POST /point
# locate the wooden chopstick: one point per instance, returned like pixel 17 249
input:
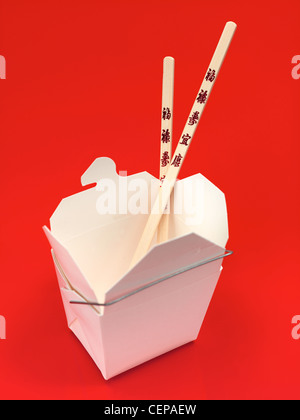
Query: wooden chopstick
pixel 166 136
pixel 184 142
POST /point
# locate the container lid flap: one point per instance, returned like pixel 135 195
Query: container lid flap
pixel 166 259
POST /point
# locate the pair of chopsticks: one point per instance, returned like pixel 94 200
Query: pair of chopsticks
pixel 170 167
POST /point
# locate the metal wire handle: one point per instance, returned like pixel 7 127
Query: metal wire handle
pixel 153 283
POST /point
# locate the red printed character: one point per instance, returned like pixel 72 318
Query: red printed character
pixel 165 136
pixel 211 75
pixel 194 118
pixel 177 160
pixel 202 97
pixel 165 160
pixel 185 138
pixel 166 114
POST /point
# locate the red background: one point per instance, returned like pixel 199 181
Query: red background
pixel 84 80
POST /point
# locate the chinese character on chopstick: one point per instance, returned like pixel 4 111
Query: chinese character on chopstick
pixel 194 118
pixel 165 136
pixel 165 160
pixel 185 138
pixel 166 114
pixel 177 160
pixel 201 99
pixel 211 75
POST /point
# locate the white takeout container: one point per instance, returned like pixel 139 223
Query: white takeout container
pixel 161 302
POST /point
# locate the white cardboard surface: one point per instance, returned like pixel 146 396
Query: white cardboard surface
pixel 92 254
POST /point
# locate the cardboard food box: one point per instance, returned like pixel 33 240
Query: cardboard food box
pixel 124 317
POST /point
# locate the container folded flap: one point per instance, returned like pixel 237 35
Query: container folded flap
pixel 79 213
pixel 94 250
pixel 186 252
pixel 73 275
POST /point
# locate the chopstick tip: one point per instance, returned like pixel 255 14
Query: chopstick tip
pixel 169 58
pixel 231 24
